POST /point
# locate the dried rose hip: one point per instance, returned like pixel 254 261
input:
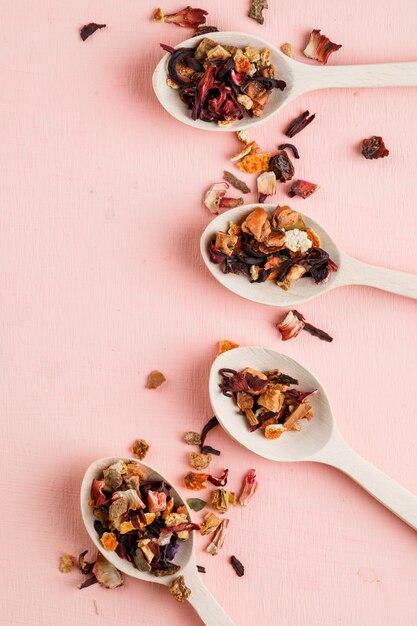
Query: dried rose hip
pixel 374 148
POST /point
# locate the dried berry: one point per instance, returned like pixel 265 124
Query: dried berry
pixel 374 148
pixel 196 504
pixel 155 380
pixel 87 30
pixel 237 566
pixel 285 146
pixel 179 589
pixel 299 124
pixel 187 18
pixel 66 563
pixel 282 167
pixel 140 448
pixel 236 182
pixel 256 9
pixel 192 439
pixel 302 188
pixel 319 47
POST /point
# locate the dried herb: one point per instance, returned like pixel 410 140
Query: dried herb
pixel 212 423
pixel 282 167
pixel 237 566
pixel 299 124
pixel 319 47
pixel 313 330
pixel 374 148
pixel 199 461
pixel 87 30
pixel 285 146
pixel 302 188
pixel 196 504
pixel 256 9
pixel 204 30
pixel 201 569
pixel 236 182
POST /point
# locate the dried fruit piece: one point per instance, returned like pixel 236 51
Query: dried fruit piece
pixel 282 167
pixel 187 18
pixel 155 380
pixel 256 9
pixel 85 567
pixel 109 541
pixel 179 589
pixel 217 541
pixel 106 574
pixel 243 136
pixel 266 184
pixel 195 481
pixel 299 124
pixel 374 148
pixel 249 487
pixel 319 47
pixel 253 163
pixel 290 326
pixel 66 563
pixel 302 188
pixel 221 499
pixel 285 146
pixel 237 566
pixel 196 504
pixel 140 448
pixel 192 439
pixel 204 30
pixel 236 182
pixel 287 49
pixel 87 30
pixel 225 345
pixel 210 523
pixel 199 461
pixel 215 198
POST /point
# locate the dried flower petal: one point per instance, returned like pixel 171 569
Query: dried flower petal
pixel 243 136
pixel 319 47
pixel 97 493
pixel 316 332
pixel 107 575
pixel 87 30
pixel 66 563
pixel 85 567
pixel 374 148
pixel 155 380
pixel 201 569
pixel 256 9
pixel 217 541
pixel 196 481
pixel 221 481
pixel 290 326
pixel 187 18
pixel 210 523
pixel 285 146
pixel 236 182
pixel 299 124
pixel 225 346
pixel 266 184
pixel 196 504
pixel 88 582
pixel 249 487
pixel 214 195
pixel 140 448
pixel 199 461
pixel 192 439
pixel 179 589
pixel 302 188
pixel 288 50
pixel 237 566
pixel 230 203
pixel 212 423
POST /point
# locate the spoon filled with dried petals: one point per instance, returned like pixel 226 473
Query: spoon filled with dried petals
pixel 133 516
pixel 277 256
pixel 256 377
pixel 185 86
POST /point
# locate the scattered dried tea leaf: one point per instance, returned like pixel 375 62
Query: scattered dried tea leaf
pixel 237 566
pixel 235 182
pixel 225 345
pixel 294 322
pixel 192 439
pixel 155 379
pixel 87 30
pixel 140 448
pixel 256 9
pixel 299 124
pixel 66 563
pixel 287 49
pixel 199 461
pixel 217 541
pixel 204 30
pixel 196 504
pixel 195 481
pixel 179 589
pixel 187 18
pixel 201 569
pixel 249 487
pixel 302 188
pixel 253 163
pixel 374 148
pixel 221 499
pixel 210 523
pixel 319 47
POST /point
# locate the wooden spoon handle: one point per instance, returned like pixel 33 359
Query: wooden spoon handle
pixel 209 610
pixel 354 272
pixel 375 75
pixel 388 492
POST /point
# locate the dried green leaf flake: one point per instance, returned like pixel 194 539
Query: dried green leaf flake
pixel 196 504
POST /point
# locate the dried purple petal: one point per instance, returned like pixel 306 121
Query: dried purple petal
pixel 86 567
pixel 285 146
pixel 88 582
pixel 210 450
pixel 237 566
pixel 87 30
pixel 256 8
pixel 299 124
pixel 374 148
pixel 236 182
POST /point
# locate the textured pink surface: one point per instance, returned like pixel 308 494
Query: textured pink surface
pixel 102 282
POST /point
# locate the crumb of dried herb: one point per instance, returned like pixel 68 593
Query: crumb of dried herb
pixel 374 148
pixel 179 589
pixel 196 504
pixel 256 8
pixel 192 438
pixel 87 30
pixel 66 563
pixel 199 461
pixel 140 448
pixel 237 566
pixel 235 182
pixel 155 379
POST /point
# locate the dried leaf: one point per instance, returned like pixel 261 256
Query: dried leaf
pixel 196 504
pixel 236 182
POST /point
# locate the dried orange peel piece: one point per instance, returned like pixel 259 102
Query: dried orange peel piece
pixel 225 345
pixel 253 163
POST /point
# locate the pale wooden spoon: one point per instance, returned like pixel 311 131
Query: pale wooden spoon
pixel 210 612
pixel 350 272
pixel 319 440
pixel 300 78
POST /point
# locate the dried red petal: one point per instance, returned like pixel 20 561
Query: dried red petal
pixel 187 18
pixel 290 326
pixel 299 124
pixel 302 188
pixel 374 148
pixel 221 481
pixel 87 30
pixel 230 203
pixel 97 493
pixel 319 47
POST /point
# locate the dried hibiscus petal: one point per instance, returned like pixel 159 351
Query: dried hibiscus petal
pixel 316 332
pixel 236 182
pixel 97 493
pixel 155 379
pixel 85 567
pixel 299 124
pixel 282 167
pixel 266 184
pixel 319 47
pixel 285 146
pixel 212 423
pixel 87 30
pixel 215 198
pixel 374 148
pixel 302 188
pixel 187 18
pixel 249 487
pixel 256 9
pixel 201 569
pixel 237 566
pixel 221 481
pixel 290 326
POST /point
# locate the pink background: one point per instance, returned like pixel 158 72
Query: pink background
pixel 102 282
